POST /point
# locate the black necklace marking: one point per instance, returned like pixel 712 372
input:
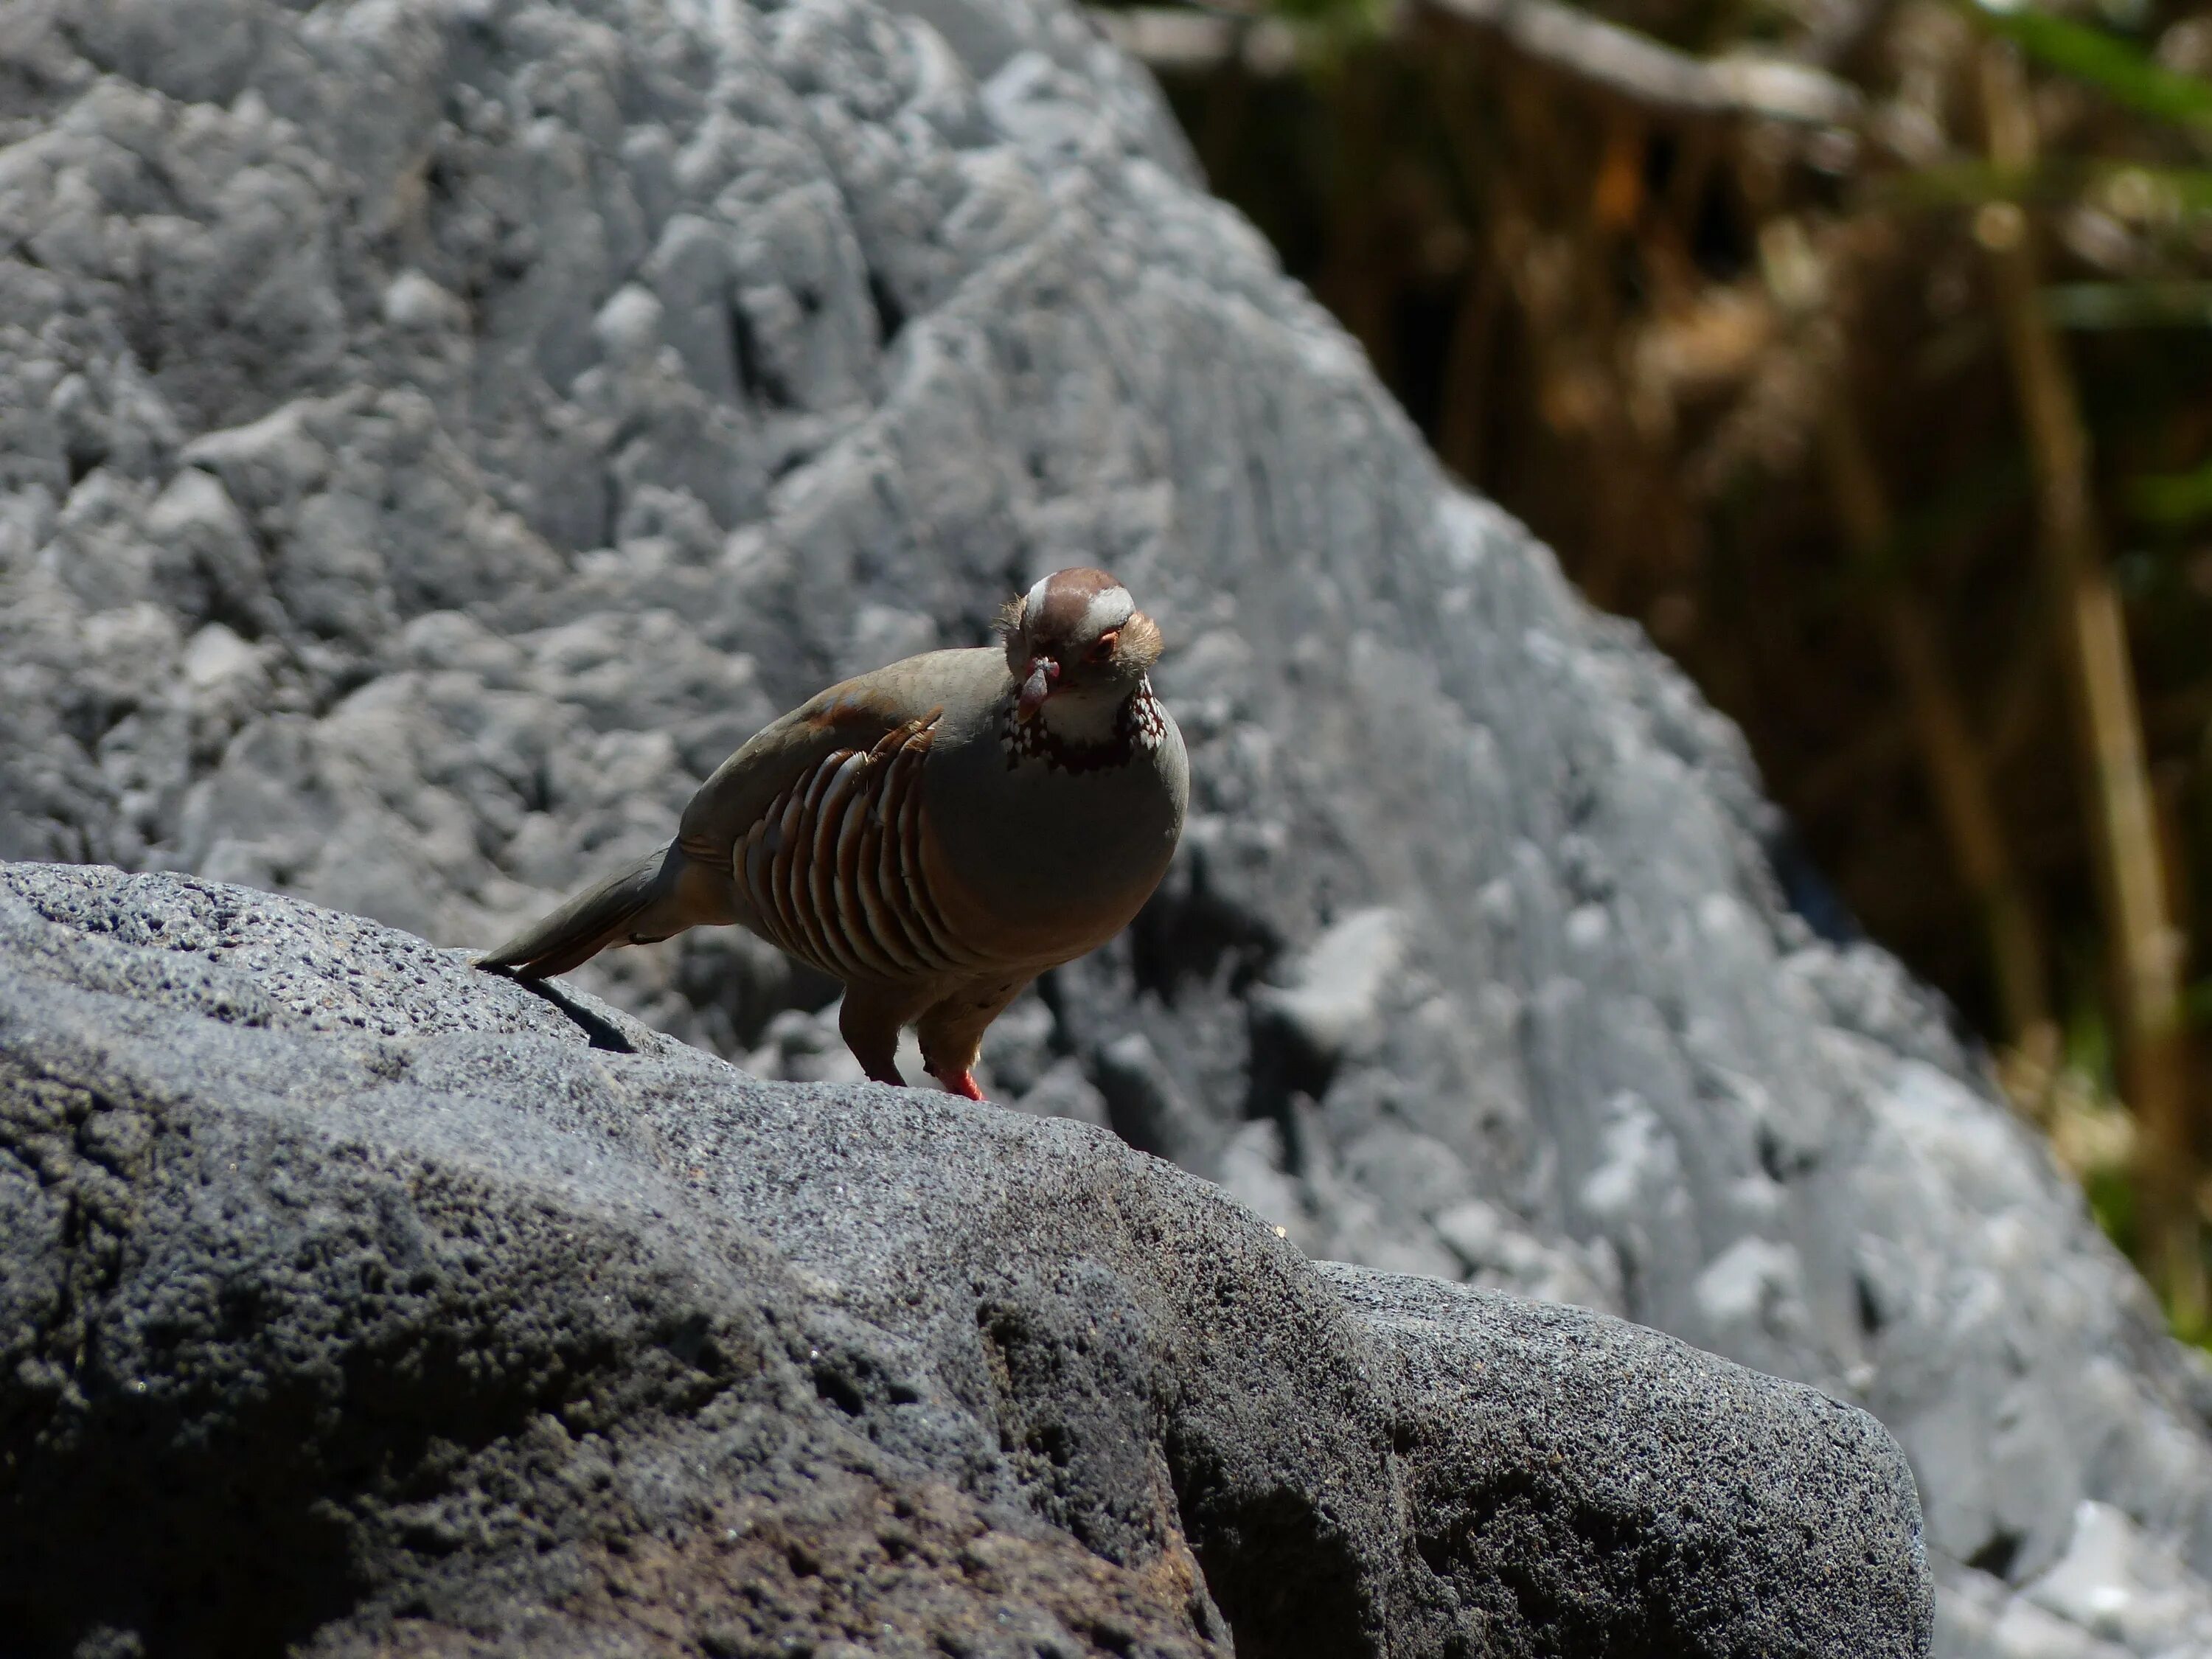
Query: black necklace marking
pixel 1139 725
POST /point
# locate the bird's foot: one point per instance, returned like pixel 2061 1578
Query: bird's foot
pixel 963 1084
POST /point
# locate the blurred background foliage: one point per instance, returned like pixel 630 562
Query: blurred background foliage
pixel 1861 351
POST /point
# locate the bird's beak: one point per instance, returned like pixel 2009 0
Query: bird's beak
pixel 1039 675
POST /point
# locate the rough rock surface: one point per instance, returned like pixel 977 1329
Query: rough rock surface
pixel 352 1298
pixel 433 431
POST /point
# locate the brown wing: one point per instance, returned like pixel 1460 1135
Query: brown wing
pixel 766 794
pixel 848 716
pixel 832 866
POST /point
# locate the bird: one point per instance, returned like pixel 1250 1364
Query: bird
pixel 934 833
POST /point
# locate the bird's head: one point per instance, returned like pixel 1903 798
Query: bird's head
pixel 1077 638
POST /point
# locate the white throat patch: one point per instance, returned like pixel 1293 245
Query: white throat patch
pixel 1084 720
pixel 1066 736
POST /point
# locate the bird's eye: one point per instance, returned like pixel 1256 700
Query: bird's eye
pixel 1104 646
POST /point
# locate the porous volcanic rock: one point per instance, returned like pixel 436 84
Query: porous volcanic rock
pixel 355 1299
pixel 434 432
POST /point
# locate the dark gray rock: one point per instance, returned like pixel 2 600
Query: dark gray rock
pixel 355 1300
pixel 432 432
pixel 1506 1458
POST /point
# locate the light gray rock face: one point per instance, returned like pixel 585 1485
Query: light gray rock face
pixel 355 1300
pixel 433 431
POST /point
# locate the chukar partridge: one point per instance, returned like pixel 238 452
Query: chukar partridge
pixel 935 834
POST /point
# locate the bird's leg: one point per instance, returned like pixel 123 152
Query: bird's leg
pixel 960 1082
pixel 883 1071
pixel 952 1031
pixel 869 1022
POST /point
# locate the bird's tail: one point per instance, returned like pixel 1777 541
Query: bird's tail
pixel 649 900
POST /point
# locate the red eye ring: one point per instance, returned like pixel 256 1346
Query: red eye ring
pixel 1103 648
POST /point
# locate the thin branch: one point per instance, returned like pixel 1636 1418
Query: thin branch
pixel 1631 66
pixel 1658 77
pixel 1171 41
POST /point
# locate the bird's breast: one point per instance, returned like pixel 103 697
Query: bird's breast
pixel 1046 858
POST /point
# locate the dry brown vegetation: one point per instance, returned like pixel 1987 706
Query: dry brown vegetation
pixel 1859 350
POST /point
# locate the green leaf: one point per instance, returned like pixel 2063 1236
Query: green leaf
pixel 2132 190
pixel 2118 67
pixel 1956 183
pixel 2176 498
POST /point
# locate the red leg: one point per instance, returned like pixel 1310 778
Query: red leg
pixel 963 1084
pixel 952 1031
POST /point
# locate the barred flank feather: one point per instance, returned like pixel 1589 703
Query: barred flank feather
pixel 833 868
